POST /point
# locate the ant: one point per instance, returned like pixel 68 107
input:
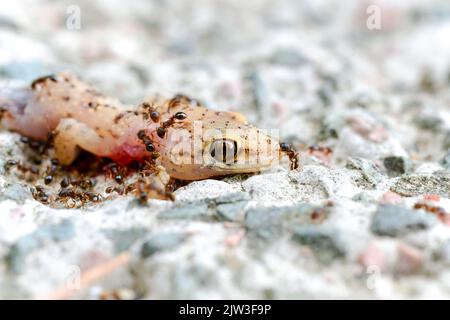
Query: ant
pixel 150 112
pixel 39 194
pixel 291 153
pixel 161 131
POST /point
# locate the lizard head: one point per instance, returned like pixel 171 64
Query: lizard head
pixel 211 143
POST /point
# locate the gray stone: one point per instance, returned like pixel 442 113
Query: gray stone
pixel 323 240
pixel 259 91
pixel 232 211
pixel 232 197
pixel 288 57
pixel 231 207
pixel 429 122
pixel 123 239
pixel 391 220
pixel 446 141
pixel 325 95
pixel 8 23
pixel 328 131
pixel 396 166
pixel 420 183
pixel 368 169
pixel 161 242
pixel 190 211
pixel 271 223
pixel 443 253
pixel 446 161
pixel 61 231
pixel 17 192
pixel 182 46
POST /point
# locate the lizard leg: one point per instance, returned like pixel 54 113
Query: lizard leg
pixel 71 135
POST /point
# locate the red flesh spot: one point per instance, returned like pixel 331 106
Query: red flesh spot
pixel 126 153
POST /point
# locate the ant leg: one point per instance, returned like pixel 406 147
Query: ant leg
pixel 71 135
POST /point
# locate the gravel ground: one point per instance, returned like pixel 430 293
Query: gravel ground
pixel 366 216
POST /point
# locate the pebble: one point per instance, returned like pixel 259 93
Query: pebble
pixel 369 170
pixel 372 255
pixel 446 161
pixel 392 220
pixel 17 192
pixel 430 122
pixel 270 223
pixel 323 240
pixel 288 57
pixel 190 211
pixel 232 211
pixel 415 184
pixel 409 259
pixel 391 198
pixel 161 242
pixel 443 252
pixel 446 142
pixel 378 144
pixel 396 166
pixel 231 207
pixel 123 239
pixel 61 231
pixel 232 198
pixel 259 91
pixel 325 95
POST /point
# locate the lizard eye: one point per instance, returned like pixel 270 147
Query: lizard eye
pixel 224 151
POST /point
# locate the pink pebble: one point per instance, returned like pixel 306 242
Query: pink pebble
pixel 432 197
pixel 235 239
pixel 391 198
pixel 378 134
pixel 372 255
pixel 409 259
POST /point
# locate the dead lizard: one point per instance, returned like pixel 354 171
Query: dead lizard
pixel 190 141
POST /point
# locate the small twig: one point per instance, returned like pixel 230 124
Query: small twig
pixel 89 277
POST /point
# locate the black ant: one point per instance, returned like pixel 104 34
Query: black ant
pixel 150 111
pixel 54 164
pixel 22 168
pixel 115 171
pixel 39 194
pixel 40 146
pixel 161 131
pixel 146 140
pixel 291 153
